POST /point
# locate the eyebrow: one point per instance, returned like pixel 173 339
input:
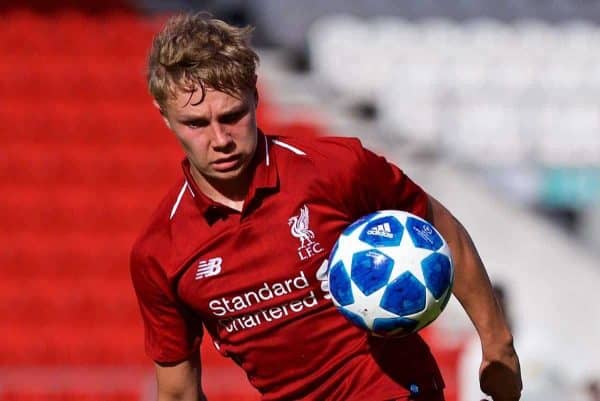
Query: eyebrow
pixel 243 107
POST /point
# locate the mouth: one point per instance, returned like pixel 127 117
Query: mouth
pixel 227 163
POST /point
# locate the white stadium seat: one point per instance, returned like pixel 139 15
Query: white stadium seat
pixel 486 134
pixel 488 92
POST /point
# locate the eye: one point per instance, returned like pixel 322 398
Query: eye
pixel 233 117
pixel 195 124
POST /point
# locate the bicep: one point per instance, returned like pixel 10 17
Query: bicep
pixel 179 382
pixel 441 218
pixel 470 275
pixel 451 229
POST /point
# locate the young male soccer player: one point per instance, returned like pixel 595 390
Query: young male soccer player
pixel 225 251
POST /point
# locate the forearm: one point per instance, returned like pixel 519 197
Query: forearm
pixel 187 395
pixel 180 382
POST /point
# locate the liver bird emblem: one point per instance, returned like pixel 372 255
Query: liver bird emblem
pixel 299 227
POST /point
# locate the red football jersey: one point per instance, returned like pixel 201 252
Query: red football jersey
pixel 255 280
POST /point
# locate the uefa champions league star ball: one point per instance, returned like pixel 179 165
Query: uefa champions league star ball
pixel 390 273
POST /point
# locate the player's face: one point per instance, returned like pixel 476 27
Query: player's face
pixel 218 133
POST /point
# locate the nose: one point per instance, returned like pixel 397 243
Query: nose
pixel 222 140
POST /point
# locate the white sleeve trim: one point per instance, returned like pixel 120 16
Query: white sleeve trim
pixel 178 201
pixel 289 147
pixel 267 159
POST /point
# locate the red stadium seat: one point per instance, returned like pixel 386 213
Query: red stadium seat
pixel 68 396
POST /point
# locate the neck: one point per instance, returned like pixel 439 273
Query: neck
pixel 231 193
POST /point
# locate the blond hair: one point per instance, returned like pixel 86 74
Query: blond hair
pixel 194 52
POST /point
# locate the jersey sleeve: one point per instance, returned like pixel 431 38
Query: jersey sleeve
pixel 171 332
pixel 374 184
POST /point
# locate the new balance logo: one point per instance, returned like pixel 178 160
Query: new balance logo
pixel 207 268
pixel 382 230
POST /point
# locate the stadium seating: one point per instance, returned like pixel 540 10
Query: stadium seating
pixel 85 160
pixel 479 91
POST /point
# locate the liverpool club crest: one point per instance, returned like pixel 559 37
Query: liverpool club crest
pixel 299 228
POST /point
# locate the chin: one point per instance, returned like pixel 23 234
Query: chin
pixel 228 175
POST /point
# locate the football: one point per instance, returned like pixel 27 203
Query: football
pixel 390 273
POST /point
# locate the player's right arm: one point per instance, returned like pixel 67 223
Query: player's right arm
pixel 172 332
pixel 179 382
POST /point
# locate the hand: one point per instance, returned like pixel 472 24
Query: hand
pixel 500 373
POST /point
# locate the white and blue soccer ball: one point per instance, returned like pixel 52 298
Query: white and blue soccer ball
pixel 390 273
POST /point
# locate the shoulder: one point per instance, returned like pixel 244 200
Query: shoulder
pixel 316 146
pixel 330 168
pixel 329 150
pixel 155 237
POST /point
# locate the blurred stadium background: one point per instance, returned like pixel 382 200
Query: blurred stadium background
pixel 492 106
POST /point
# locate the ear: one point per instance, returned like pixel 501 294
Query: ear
pixel 162 113
pixel 255 96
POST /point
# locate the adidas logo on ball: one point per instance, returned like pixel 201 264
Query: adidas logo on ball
pixel 382 230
